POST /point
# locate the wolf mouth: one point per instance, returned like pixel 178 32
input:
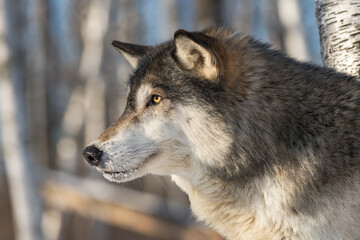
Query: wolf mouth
pixel 124 175
pixel 122 172
pixel 127 175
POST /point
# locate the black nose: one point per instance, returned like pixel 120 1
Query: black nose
pixel 92 155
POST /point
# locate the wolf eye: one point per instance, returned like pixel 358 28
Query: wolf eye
pixel 155 99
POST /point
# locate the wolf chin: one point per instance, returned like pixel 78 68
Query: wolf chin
pixel 266 147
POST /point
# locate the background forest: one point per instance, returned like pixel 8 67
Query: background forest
pixel 62 83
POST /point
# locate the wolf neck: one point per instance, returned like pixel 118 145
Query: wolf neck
pixel 224 207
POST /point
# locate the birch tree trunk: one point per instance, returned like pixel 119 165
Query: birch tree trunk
pixel 339 28
pixel 25 201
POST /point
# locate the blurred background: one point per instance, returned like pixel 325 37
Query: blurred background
pixel 62 84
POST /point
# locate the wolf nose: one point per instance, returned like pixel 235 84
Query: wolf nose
pixel 92 155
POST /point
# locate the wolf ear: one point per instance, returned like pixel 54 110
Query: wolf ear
pixel 193 54
pixel 131 52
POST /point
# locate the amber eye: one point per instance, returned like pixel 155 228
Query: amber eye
pixel 156 98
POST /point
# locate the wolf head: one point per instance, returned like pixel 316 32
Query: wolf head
pixel 176 119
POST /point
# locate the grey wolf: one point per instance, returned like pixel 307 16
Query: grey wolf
pixel 266 147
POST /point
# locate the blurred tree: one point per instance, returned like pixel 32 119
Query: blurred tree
pixel 26 203
pixel 275 28
pixel 239 14
pixel 339 28
pixel 62 83
pixel 294 39
pixel 36 91
pixel 208 13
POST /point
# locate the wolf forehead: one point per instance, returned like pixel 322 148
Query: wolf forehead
pixel 158 69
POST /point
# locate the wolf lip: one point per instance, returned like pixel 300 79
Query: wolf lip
pixel 121 172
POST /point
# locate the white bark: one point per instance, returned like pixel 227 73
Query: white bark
pixel 339 28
